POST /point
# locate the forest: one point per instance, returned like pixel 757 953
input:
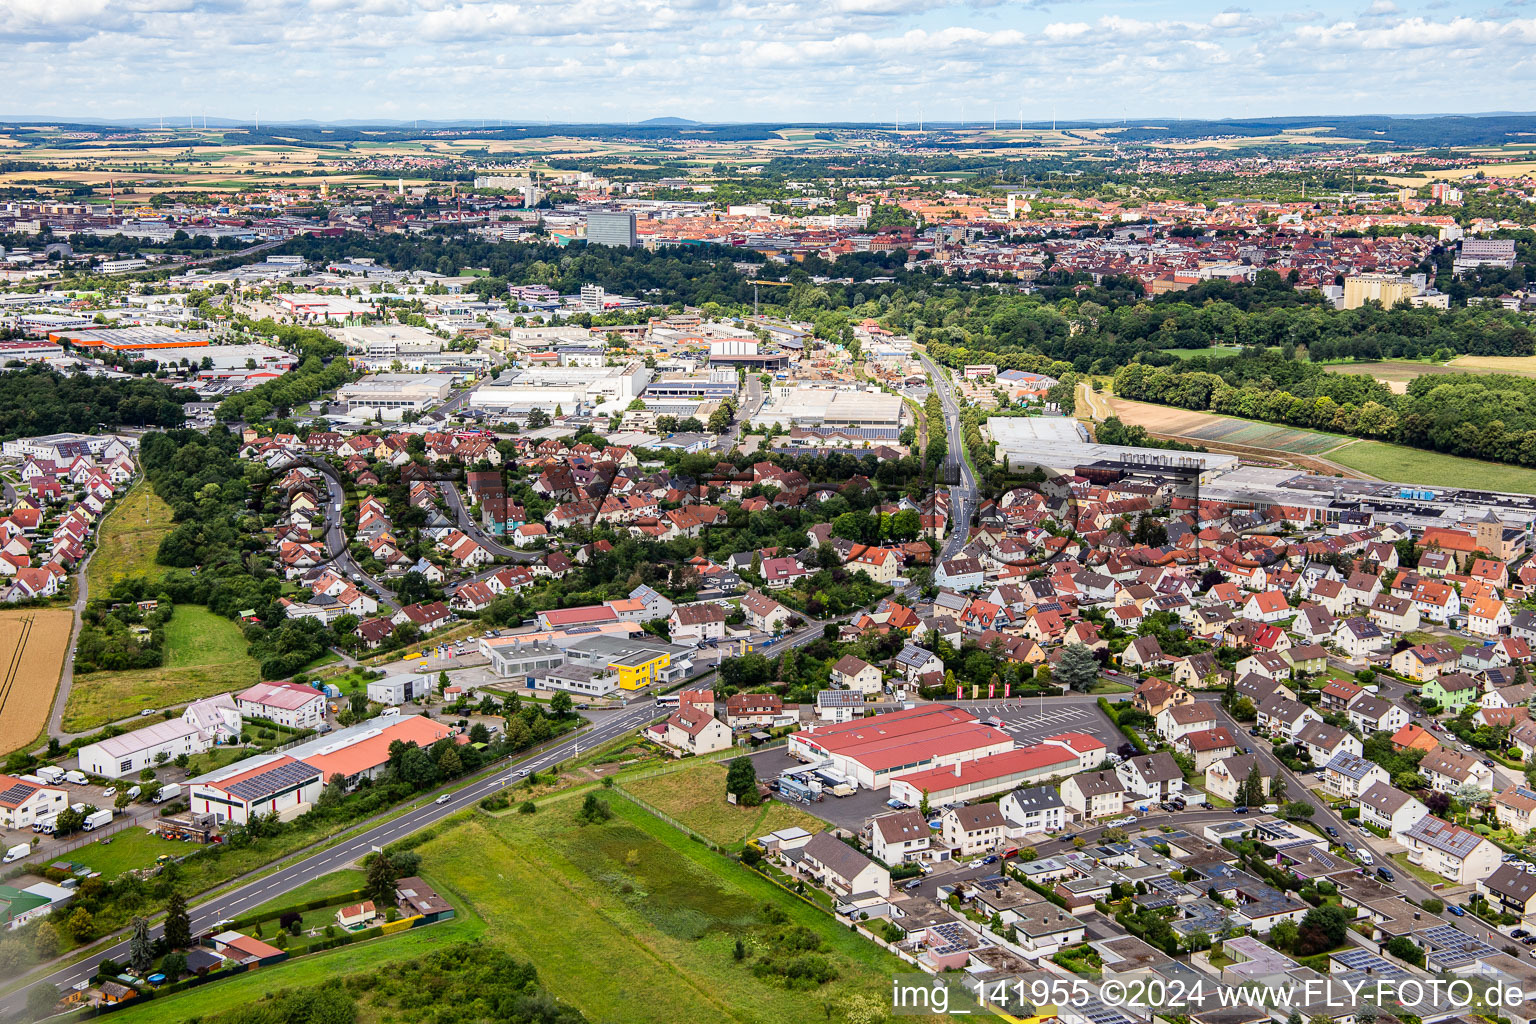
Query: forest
pixel 38 400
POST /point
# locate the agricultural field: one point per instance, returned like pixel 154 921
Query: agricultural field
pixel 130 537
pixel 695 796
pixel 204 654
pixel 33 642
pixel 1433 469
pixel 1200 427
pixel 1521 366
pixel 1396 374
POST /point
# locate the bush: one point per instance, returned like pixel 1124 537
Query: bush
pixel 593 810
pixel 529 807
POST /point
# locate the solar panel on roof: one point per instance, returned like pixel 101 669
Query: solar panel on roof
pixel 17 792
pixel 273 780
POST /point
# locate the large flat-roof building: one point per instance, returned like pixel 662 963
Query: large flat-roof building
pixel 612 227
pixel 569 388
pixel 635 661
pixel 391 395
pixel 833 409
pixel 872 751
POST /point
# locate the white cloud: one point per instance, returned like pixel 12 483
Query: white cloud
pixel 748 59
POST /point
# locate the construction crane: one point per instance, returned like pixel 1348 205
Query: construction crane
pixel 772 284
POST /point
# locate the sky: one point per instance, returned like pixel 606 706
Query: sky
pixel 760 60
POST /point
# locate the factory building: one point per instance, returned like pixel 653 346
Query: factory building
pixel 571 389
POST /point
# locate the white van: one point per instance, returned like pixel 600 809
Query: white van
pixel 1365 857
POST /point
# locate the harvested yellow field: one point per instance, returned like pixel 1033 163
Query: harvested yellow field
pixel 33 642
pixel 1524 366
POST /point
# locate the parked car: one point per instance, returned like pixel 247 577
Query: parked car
pixel 1454 909
pixel 1386 875
pixel 990 859
pixel 1240 810
pixel 1331 831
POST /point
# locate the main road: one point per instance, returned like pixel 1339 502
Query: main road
pixel 964 495
pixel 206 915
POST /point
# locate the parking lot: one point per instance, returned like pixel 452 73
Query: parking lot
pixel 1029 720
pixel 851 812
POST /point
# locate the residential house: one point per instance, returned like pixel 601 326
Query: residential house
pixel 697 622
pixel 1515 807
pixel 1425 661
pixel 1349 775
pixel 1323 742
pixel 912 662
pixel 692 731
pixel 1155 695
pixel 1448 770
pixel 1179 719
pixel 1284 717
pixel 1449 850
pixel 900 837
pixel 1207 747
pixel 841 868
pixel 1223 778
pixel 1511 889
pixel 1033 811
pixel 973 829
pixel 1370 713
pixel 1091 795
pixel 763 613
pixel 856 674
pixel 1452 691
pixel 1151 776
pixel 1389 808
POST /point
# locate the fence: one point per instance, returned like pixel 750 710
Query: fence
pixel 649 809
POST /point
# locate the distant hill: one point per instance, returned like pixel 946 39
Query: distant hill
pixel 670 121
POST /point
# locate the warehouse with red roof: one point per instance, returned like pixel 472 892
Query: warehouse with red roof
pixel 872 751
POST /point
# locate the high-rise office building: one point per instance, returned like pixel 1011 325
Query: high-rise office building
pixel 611 227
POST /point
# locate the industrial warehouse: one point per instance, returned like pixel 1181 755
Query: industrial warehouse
pixel 872 751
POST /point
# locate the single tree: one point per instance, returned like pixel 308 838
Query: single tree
pixel 741 781
pixel 178 926
pixel 141 948
pixel 381 880
pixel 1078 669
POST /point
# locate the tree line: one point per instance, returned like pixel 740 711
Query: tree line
pixel 1484 416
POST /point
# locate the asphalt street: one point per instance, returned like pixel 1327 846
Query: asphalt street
pixel 467 524
pixel 963 495
pixel 336 538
